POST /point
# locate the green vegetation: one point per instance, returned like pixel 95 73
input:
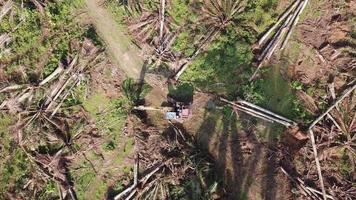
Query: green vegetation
pixel 83 178
pixel 86 130
pixel 183 92
pixel 46 44
pixel 134 92
pixel 40 42
pixel 14 170
pixel 223 68
pixel 109 114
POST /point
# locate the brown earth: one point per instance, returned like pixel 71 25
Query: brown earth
pixel 122 51
pixel 249 166
pixel 326 49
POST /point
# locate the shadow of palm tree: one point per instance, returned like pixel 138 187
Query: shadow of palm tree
pixel 227 138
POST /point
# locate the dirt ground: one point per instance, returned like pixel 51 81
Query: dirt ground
pixel 250 170
pixel 123 52
pixel 327 47
pixel 241 150
pixel 250 166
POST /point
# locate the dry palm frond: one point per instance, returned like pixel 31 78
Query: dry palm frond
pixel 170 159
pixel 345 116
pixel 335 144
pixel 220 13
pixel 6 8
pixel 131 5
pixel 152 25
pixel 147 26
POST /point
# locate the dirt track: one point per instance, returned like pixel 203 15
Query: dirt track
pixel 118 44
pixel 122 51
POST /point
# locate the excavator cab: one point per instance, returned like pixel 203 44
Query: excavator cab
pixel 180 110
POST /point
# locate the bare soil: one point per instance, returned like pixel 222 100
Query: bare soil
pixel 247 162
pixel 326 51
pixel 123 52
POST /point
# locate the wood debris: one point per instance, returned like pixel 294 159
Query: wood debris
pixel 259 112
pixel 279 40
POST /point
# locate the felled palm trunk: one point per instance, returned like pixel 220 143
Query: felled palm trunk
pixel 259 112
pixel 279 40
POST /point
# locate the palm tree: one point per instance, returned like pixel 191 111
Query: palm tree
pixel 131 5
pixel 217 15
pixel 220 13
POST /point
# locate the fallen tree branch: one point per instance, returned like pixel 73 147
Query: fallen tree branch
pixel 4 38
pixel 6 8
pixel 315 152
pixel 346 93
pixel 141 182
pixel 306 190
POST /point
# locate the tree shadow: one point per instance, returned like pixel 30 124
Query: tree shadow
pixel 269 185
pixel 182 93
pixel 245 160
pixel 228 138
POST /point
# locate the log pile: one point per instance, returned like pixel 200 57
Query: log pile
pixel 259 112
pixel 282 31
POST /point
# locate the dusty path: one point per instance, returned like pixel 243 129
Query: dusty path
pixel 122 51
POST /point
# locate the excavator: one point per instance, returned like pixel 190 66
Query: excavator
pixel 175 110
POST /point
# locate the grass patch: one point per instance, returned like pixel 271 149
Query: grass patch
pixel 109 114
pixel 127 150
pixel 82 181
pixel 222 68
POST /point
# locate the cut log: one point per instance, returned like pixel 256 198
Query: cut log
pixel 291 17
pixel 146 108
pixel 161 15
pixel 271 45
pixel 295 22
pixel 266 111
pixel 257 113
pixel 281 19
pixel 279 40
pixel 275 39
